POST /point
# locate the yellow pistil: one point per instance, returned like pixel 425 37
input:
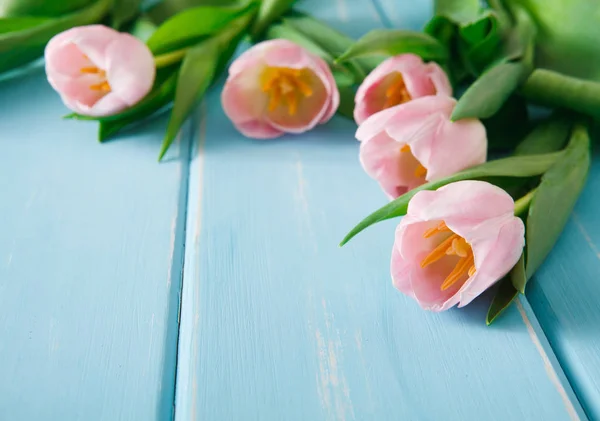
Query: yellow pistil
pixel 454 245
pixel 287 85
pixel 396 93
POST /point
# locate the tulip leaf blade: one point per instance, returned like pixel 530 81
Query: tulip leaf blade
pixel 548 136
pixel 489 92
pixel 512 167
pixel 124 11
pixel 159 97
pixel 517 275
pixel 269 12
pixel 195 76
pixel 183 29
pixel 555 198
pixel 506 293
pixel 390 42
pixel 25 45
pixel 458 11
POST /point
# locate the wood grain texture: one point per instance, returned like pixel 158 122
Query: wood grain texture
pixel 90 264
pixel 278 323
pixel 565 294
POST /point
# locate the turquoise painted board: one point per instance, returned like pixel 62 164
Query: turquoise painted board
pixel 565 294
pixel 90 264
pixel 278 323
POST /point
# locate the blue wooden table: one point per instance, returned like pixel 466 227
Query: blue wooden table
pixel 211 287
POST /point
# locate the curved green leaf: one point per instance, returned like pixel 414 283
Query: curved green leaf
pixel 158 98
pixel 20 23
pixel 391 42
pixel 192 25
pixel 269 12
pixel 489 92
pixel 21 46
pixel 517 166
pixel 459 11
pixel 124 11
pixel 45 8
pixel 196 74
pixel 549 136
pixel 505 295
pixel 555 198
pixel 517 275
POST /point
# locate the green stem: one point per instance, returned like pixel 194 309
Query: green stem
pixel 522 204
pixel 167 59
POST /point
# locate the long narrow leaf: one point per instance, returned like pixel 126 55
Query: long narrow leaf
pixel 518 166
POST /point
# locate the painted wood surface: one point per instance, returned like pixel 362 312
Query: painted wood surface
pixel 278 323
pixel 90 264
pixel 565 292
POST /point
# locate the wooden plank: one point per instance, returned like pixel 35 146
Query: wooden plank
pixel 279 323
pixel 565 293
pixel 90 264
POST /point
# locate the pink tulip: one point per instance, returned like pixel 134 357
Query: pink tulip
pixel 98 71
pixel 415 142
pixel 398 80
pixel 454 243
pixel 278 87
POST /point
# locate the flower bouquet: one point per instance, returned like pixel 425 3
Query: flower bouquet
pixel 477 128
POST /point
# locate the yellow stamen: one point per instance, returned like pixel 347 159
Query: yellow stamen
pixel 286 85
pixel 435 230
pixel 459 270
pixel 454 245
pixel 103 86
pixel 92 70
pixel 438 252
pixel 421 171
pixel 472 271
pixel 396 93
pixel 292 101
pixel 405 148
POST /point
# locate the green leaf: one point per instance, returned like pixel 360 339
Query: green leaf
pixel 22 46
pixel 124 11
pixel 569 34
pixel 346 108
pixel 549 136
pixel 505 295
pixel 158 98
pixel 45 8
pixel 196 74
pixel 554 89
pixel 480 41
pixel 198 69
pixel 332 41
pixel 286 31
pixel 487 94
pixel 517 275
pixel 391 42
pixel 193 25
pixel 166 9
pixel 507 127
pixel 269 12
pixel 20 23
pixel 555 198
pixel 518 166
pixel 459 11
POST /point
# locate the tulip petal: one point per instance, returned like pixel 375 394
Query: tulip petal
pixel 462 204
pixel 439 79
pixel 129 68
pixel 501 257
pixel 442 160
